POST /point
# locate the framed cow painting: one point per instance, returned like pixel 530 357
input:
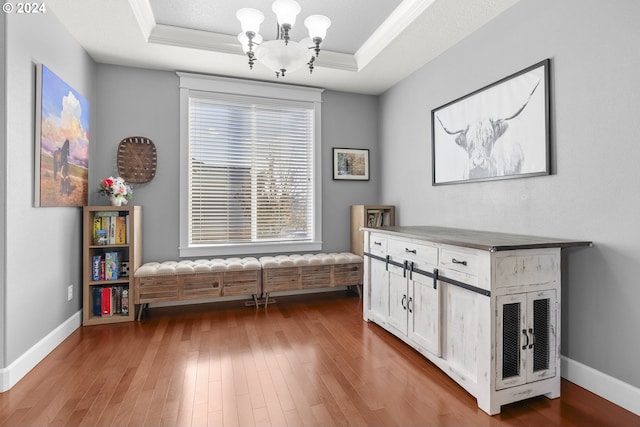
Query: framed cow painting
pixel 500 131
pixel 62 142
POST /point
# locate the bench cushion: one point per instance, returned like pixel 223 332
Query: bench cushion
pixel 296 260
pixel 171 268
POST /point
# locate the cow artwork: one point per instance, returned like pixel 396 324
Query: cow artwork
pixel 479 140
pixel 498 132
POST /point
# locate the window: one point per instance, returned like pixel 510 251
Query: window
pixel 250 173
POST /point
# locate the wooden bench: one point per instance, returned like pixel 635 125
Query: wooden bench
pixel 309 271
pixel 190 280
pixel 203 278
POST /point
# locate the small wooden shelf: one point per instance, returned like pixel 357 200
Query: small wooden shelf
pixel 130 252
pixel 109 282
pixel 373 216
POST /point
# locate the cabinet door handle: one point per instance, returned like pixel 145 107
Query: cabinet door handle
pixel 533 338
pixel 410 251
pixel 410 305
pixel 404 298
pixel 435 278
pixel 377 243
pixel 455 261
pixel 524 347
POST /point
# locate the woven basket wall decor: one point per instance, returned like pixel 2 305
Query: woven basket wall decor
pixel 137 159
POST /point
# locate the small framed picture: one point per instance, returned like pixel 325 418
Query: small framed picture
pixel 351 164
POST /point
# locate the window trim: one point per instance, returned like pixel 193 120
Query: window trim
pixel 224 85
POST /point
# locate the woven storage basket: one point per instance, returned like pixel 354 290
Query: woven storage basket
pixel 137 159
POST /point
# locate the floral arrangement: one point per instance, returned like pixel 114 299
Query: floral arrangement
pixel 116 187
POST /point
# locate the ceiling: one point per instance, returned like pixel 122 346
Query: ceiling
pixel 370 46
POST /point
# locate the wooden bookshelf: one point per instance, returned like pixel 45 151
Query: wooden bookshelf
pixel 127 246
pixel 375 216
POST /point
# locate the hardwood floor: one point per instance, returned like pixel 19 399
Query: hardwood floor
pixel 305 361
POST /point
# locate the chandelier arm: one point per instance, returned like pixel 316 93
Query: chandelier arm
pixel 317 41
pixel 310 64
pixel 285 33
pixel 250 54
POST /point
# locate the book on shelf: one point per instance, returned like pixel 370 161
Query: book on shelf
pixel 125 301
pixel 120 300
pixel 97 301
pixel 107 266
pixel 106 301
pixel 112 230
pixel 96 268
pixel 375 218
pixel 116 300
pixel 110 227
pixel 111 266
pixel 121 230
pixel 110 301
pixel 97 231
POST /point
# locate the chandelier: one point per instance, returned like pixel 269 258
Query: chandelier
pixel 281 55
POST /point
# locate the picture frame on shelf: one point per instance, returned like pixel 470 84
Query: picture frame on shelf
pixel 350 164
pixel 500 131
pixel 61 142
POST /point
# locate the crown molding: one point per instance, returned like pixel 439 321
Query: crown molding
pixel 194 39
pixel 336 60
pixel 144 16
pixel 392 27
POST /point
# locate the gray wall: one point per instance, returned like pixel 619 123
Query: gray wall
pixel 134 101
pixel 3 202
pixel 43 245
pixel 348 121
pixel 592 193
pixel 139 102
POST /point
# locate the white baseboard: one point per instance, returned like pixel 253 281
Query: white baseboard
pixel 13 373
pixel 605 386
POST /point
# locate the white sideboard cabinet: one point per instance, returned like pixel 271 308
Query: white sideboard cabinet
pixel 483 307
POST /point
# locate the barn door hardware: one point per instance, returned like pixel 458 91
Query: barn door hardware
pixel 435 274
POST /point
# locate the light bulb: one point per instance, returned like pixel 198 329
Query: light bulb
pixel 286 11
pixel 317 26
pixel 250 19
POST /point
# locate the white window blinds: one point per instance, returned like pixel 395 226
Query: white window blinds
pixel 250 169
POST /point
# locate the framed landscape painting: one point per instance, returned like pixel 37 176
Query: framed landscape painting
pixel 62 142
pixel 500 131
pixel 350 164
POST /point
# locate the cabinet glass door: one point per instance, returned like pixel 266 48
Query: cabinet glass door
pixel 526 349
pixel 511 341
pixel 541 357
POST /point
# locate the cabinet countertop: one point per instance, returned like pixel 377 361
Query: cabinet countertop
pixel 483 240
